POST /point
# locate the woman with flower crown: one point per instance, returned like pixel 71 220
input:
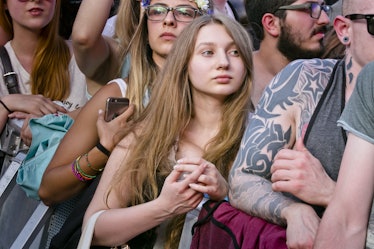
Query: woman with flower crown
pixel 148 49
pixel 183 144
pixel 90 134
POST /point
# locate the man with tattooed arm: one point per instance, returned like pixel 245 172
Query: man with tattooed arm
pixel 290 155
pixel 284 36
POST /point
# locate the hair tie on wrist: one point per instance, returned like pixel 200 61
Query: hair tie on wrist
pixel 100 147
pixel 3 104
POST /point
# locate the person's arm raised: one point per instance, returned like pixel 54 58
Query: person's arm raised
pixel 91 49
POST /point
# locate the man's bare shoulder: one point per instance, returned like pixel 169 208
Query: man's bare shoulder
pixel 299 71
pixel 284 108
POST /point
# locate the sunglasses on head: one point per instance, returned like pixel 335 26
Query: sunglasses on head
pixel 369 21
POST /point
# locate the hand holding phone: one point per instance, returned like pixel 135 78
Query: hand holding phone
pixel 115 107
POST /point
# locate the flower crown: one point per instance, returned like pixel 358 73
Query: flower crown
pixel 201 4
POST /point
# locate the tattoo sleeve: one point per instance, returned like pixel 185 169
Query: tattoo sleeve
pixel 284 110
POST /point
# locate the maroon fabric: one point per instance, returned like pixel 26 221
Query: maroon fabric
pixel 249 232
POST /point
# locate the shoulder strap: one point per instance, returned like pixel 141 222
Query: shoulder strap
pixel 209 206
pixel 10 77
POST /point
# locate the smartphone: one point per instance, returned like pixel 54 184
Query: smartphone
pixel 115 107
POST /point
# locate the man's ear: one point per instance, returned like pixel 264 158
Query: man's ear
pixel 271 24
pixel 342 28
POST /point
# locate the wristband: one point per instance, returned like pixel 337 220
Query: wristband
pixel 3 104
pixel 100 147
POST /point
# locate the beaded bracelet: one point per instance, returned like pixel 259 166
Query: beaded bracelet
pixel 100 147
pixel 3 104
pixel 89 164
pixel 76 173
pixel 81 172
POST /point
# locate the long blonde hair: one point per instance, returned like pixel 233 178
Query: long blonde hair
pixel 170 110
pixel 128 18
pixel 50 70
pixel 143 69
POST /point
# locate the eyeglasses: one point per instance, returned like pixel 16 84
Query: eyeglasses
pixel 314 8
pixel 180 13
pixel 369 21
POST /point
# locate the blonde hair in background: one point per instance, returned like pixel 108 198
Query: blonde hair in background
pixel 50 70
pixel 128 17
pixel 143 69
pixel 168 114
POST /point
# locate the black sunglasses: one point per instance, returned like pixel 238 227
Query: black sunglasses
pixel 314 8
pixel 369 21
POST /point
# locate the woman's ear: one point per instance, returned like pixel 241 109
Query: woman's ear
pixel 342 28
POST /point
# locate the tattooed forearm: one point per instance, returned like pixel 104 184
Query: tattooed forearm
pixel 268 204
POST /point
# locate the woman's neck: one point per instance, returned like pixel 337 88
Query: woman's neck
pixel 159 60
pixel 24 44
pixel 207 112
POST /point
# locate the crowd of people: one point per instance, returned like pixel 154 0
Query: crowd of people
pixel 270 111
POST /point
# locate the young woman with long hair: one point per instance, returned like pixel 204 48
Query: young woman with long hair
pixel 42 61
pixel 183 144
pixel 148 50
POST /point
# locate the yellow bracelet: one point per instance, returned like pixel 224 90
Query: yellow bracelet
pixel 81 172
pixel 89 165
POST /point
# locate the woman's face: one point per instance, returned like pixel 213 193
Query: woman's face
pixel 216 68
pixel 162 34
pixel 31 15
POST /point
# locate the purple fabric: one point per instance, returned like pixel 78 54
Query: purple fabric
pixel 250 232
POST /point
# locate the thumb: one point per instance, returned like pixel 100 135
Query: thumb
pixel 100 116
pixel 299 145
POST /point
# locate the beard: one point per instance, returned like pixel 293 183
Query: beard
pixel 291 46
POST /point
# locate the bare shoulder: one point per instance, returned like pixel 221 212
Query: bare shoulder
pixel 298 76
pixel 285 106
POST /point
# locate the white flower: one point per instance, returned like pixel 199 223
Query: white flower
pixel 202 4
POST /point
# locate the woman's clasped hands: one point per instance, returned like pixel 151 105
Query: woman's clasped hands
pixel 202 176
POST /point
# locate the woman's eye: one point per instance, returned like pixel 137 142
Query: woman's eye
pixel 207 52
pixel 234 52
